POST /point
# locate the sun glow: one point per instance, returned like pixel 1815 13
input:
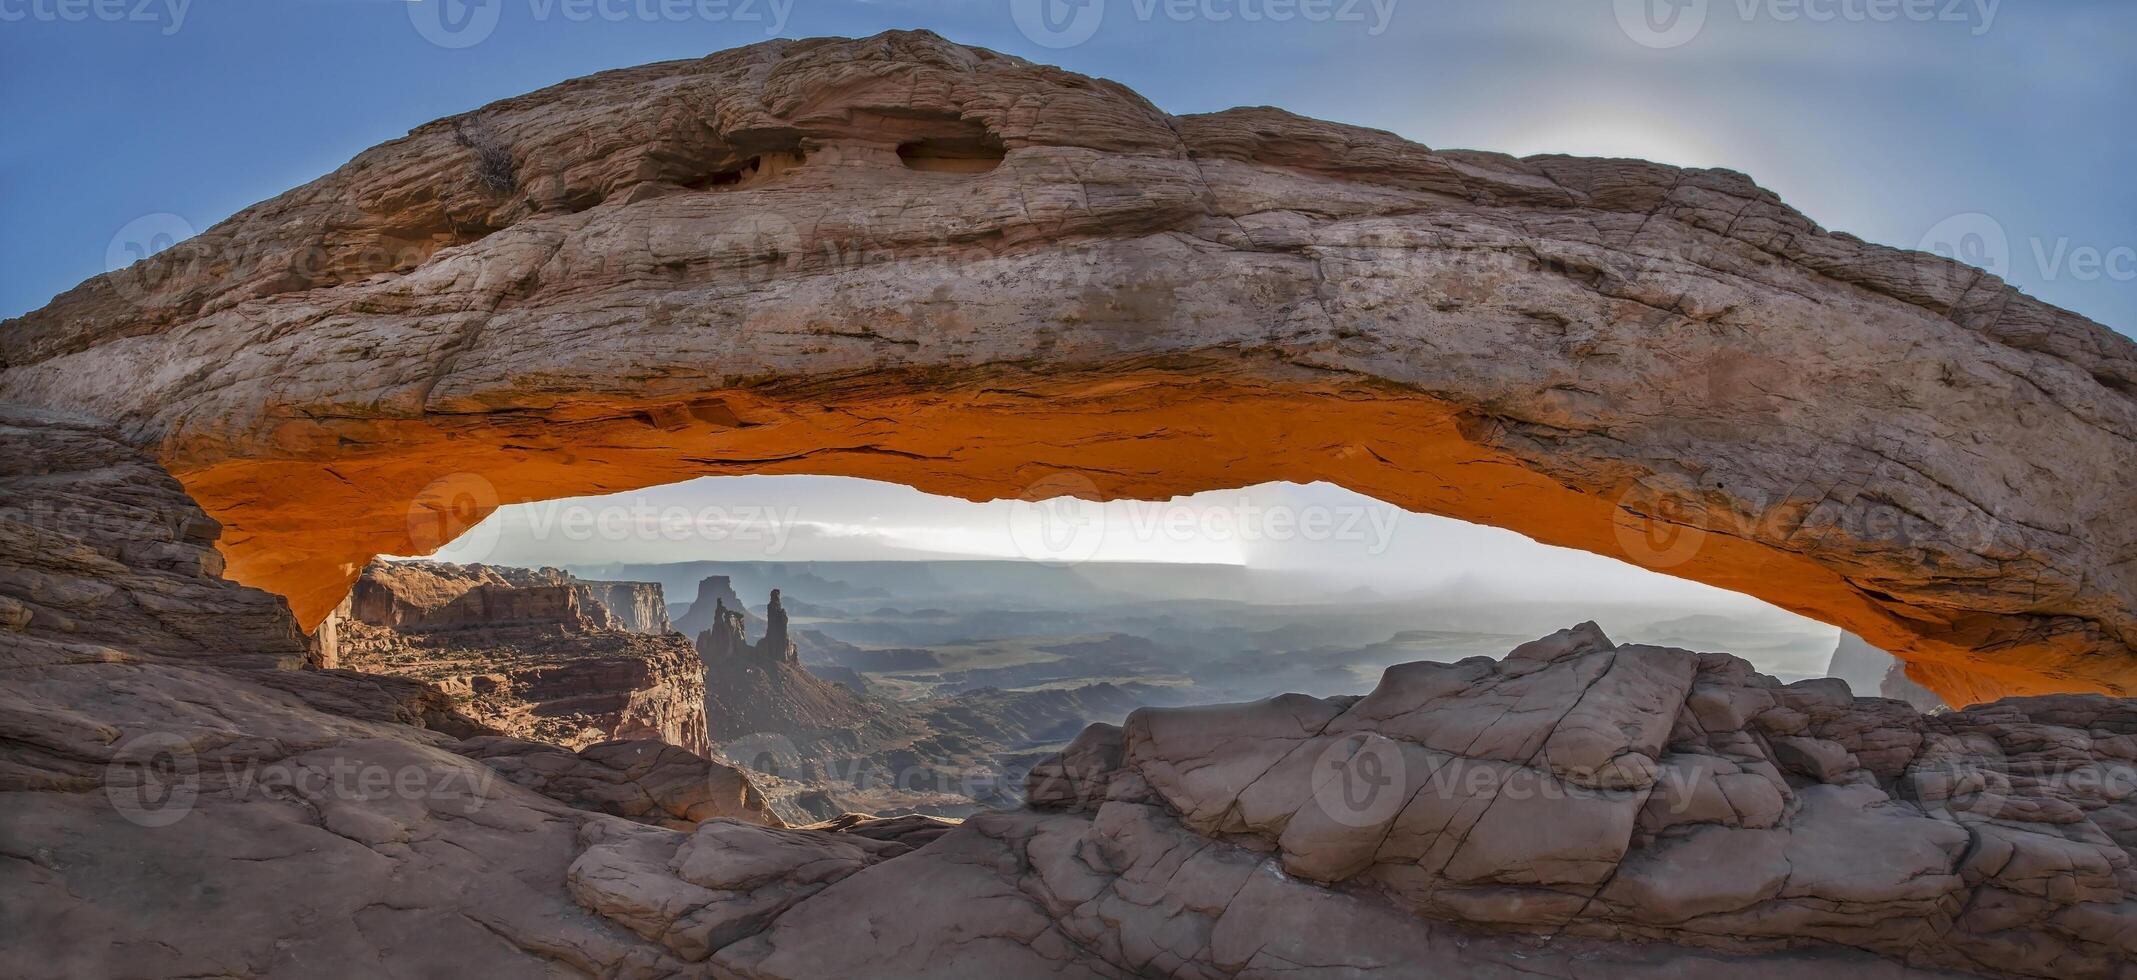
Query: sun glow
pixel 1615 134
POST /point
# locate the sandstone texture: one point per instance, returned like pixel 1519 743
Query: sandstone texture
pixel 535 654
pixel 103 547
pixel 645 780
pixel 904 259
pixel 176 801
pixel 1578 809
pixel 1578 788
pixel 427 595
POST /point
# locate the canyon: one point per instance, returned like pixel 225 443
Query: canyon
pixel 1577 806
pixel 539 657
pixel 234 744
pixel 536 654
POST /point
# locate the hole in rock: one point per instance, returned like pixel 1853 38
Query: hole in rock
pixel 754 170
pixel 952 155
pixel 994 629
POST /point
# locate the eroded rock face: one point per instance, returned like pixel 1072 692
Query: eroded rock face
pixel 903 259
pixel 714 593
pixel 427 595
pixel 636 606
pixel 531 653
pixel 102 546
pixel 1627 792
pixel 174 803
pixel 647 781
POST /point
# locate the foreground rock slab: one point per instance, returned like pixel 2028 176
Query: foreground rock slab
pixel 1579 788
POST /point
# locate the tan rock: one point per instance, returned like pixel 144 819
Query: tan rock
pixel 1464 792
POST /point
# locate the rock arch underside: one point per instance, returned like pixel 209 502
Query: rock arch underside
pixel 904 259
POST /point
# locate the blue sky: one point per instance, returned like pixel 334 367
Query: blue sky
pixel 1868 120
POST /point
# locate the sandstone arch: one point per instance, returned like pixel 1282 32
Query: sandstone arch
pixel 1587 351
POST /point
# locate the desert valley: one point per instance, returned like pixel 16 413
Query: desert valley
pixel 933 687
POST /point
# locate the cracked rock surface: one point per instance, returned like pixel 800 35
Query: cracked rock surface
pixel 174 803
pixel 905 259
pixel 1577 809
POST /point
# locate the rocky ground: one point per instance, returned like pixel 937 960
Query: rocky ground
pixel 1578 808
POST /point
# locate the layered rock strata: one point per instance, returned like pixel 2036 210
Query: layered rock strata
pixel 533 654
pixel 175 803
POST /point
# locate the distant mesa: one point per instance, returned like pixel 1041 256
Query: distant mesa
pixel 1874 673
pixel 713 593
